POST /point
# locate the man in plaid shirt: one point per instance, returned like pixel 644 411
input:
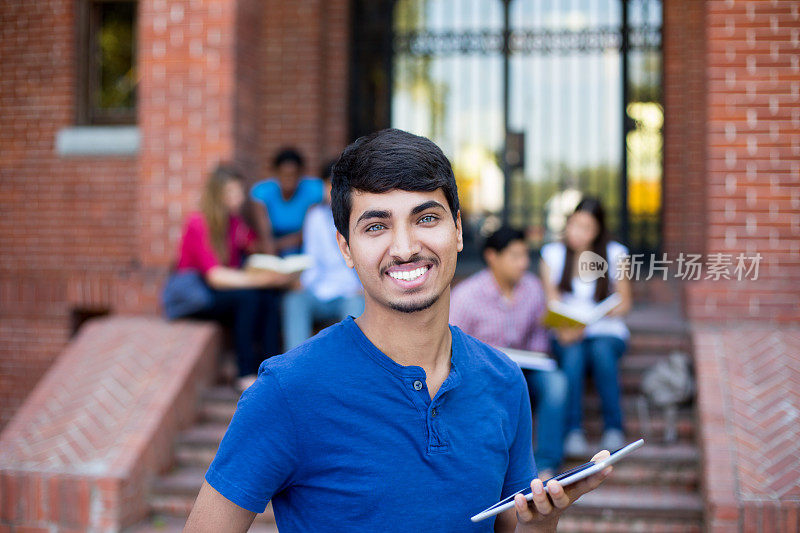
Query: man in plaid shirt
pixel 503 305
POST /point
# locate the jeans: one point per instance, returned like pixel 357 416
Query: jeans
pixel 301 309
pixel 548 391
pixel 255 320
pixel 600 356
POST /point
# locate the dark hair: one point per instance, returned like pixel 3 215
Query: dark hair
pixel 591 205
pixel 327 170
pixel 502 237
pixel 386 160
pixel 288 155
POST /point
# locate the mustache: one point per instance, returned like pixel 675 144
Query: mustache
pixel 414 259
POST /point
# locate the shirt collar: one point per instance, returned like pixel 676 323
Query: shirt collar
pixel 411 371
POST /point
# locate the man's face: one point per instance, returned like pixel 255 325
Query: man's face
pixel 288 175
pixel 403 246
pixel 509 265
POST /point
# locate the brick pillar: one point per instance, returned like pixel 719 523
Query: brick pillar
pixel 186 58
pixel 752 158
pixel 685 127
pixel 304 100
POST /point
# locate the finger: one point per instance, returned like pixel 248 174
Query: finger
pixel 557 493
pixel 524 512
pixel 540 499
pixel 583 486
pixel 599 456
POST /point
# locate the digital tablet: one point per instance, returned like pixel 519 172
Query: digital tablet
pixel 565 478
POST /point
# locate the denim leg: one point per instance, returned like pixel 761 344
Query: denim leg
pixel 572 360
pixel 243 305
pixel 604 352
pixel 298 317
pixel 548 390
pixel 268 331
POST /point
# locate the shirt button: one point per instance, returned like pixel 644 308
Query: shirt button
pixel 418 385
pixel 434 411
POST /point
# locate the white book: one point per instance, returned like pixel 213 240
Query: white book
pixel 286 265
pixel 528 359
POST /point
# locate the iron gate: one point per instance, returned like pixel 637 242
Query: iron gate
pixel 530 99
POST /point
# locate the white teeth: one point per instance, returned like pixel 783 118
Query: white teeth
pixel 409 275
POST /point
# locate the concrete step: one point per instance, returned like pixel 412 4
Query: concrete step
pixel 675 466
pixel 570 523
pixel 174 493
pixel 636 502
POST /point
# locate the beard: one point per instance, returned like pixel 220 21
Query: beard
pixel 413 307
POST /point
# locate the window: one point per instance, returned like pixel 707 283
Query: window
pixel 107 76
pixel 527 104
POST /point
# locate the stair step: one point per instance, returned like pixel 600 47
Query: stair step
pixel 180 505
pixel 202 434
pixel 640 502
pixel 591 524
pixel 180 481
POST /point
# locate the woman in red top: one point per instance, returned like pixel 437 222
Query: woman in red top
pixel 215 242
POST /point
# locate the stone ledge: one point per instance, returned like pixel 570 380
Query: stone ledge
pixel 98 141
pixel 100 424
pixel 748 388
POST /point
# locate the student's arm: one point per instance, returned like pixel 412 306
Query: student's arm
pixel 292 240
pixel 263 225
pixel 625 291
pixel 564 335
pixel 550 290
pixel 542 514
pixel 212 513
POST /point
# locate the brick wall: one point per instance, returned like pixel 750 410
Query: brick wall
pixel 185 114
pixel 685 127
pixel 67 225
pixel 752 157
pixel 218 80
pixel 305 80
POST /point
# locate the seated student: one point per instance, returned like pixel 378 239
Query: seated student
pixel 214 243
pixel 330 289
pixel 281 204
pixel 599 346
pixel 503 306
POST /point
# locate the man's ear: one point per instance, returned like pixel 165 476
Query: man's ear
pixel 459 232
pixel 344 247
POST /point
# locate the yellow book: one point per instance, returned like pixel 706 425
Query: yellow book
pixel 561 315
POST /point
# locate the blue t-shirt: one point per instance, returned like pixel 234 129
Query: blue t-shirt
pixel 287 216
pixel 342 438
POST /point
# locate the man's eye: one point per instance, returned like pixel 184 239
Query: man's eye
pixel 375 227
pixel 428 219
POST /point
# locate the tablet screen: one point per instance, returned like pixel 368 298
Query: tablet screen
pixel 565 478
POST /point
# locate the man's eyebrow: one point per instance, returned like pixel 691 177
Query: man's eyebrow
pixel 374 213
pixel 430 204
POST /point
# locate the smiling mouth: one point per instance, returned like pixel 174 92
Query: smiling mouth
pixel 409 275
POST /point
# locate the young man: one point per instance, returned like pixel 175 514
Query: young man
pixel 394 421
pixel 503 305
pixel 330 289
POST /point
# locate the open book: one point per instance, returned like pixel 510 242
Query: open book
pixel 286 265
pixel 561 315
pixel 532 360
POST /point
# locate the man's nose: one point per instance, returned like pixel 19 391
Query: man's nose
pixel 405 244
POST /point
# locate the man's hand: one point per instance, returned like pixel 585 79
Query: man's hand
pixel 543 512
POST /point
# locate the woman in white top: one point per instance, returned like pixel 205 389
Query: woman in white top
pixel 598 346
